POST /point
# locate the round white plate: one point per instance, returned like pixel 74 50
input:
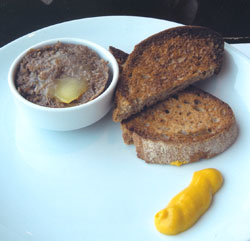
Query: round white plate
pixel 88 185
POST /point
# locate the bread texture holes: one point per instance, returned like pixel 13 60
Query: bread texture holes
pixel 167 111
pixel 196 102
pixel 175 97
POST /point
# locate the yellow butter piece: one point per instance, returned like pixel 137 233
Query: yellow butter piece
pixel 188 206
pixel 68 89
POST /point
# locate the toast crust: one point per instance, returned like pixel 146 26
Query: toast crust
pixel 159 152
pixel 186 127
pixel 165 63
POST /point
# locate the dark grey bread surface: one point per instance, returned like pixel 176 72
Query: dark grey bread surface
pixel 165 63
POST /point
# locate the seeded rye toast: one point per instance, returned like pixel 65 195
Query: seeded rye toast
pixel 184 128
pixel 165 63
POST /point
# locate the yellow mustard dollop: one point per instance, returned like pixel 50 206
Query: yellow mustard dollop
pixel 189 205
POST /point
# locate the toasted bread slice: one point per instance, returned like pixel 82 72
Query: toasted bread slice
pixel 120 56
pixel 165 63
pixel 186 127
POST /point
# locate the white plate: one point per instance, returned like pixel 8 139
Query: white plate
pixel 88 185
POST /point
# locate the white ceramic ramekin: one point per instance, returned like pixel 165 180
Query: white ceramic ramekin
pixel 68 118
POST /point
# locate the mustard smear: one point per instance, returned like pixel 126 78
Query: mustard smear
pixel 188 206
pixel 68 89
pixel 178 163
